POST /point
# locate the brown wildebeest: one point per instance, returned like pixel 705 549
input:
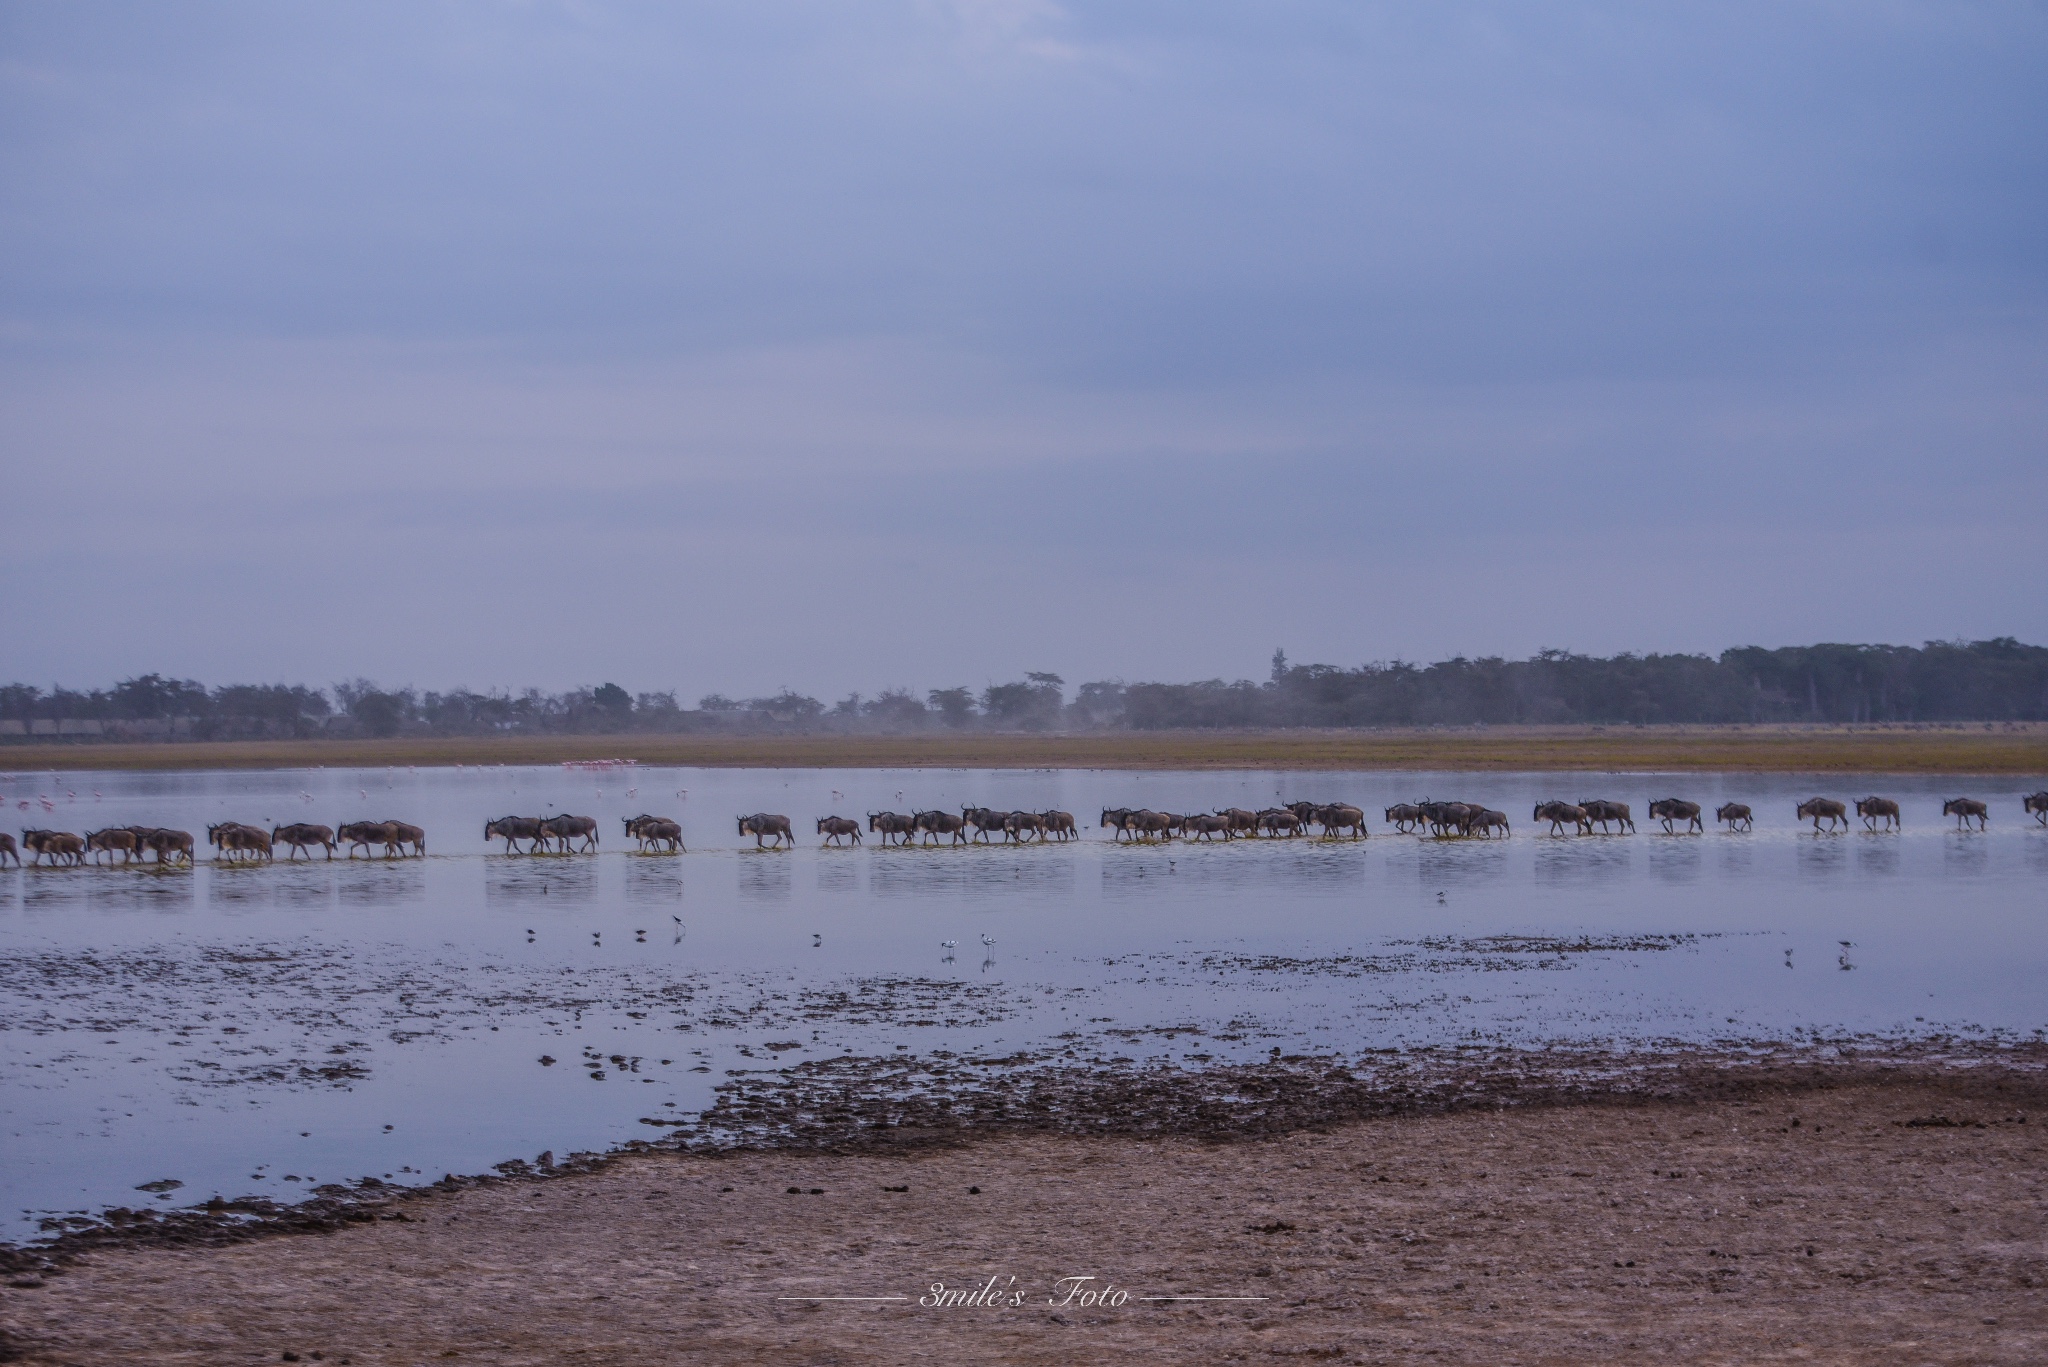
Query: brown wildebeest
pixel 1242 822
pixel 1341 816
pixel 1017 825
pixel 1206 826
pixel 1276 820
pixel 660 831
pixel 163 842
pixel 1144 824
pixel 1060 825
pixel 1485 822
pixel 512 830
pixel 1670 809
pixel 1560 814
pixel 366 834
pixel 2037 803
pixel 565 828
pixel 233 839
pixel 767 826
pixel 1876 809
pixel 1445 817
pixel 1963 808
pixel 8 850
pixel 62 847
pixel 1404 816
pixel 1304 811
pixel 1819 807
pixel 1117 819
pixel 414 836
pixel 983 820
pixel 1603 811
pixel 892 823
pixel 933 824
pixel 120 838
pixel 655 832
pixel 834 827
pixel 1735 814
pixel 299 835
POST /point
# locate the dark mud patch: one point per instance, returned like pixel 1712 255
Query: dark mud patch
pixel 853 1105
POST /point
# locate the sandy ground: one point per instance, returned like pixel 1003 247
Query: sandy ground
pixel 1977 748
pixel 1817 1226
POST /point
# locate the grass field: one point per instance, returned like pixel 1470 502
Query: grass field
pixel 2006 748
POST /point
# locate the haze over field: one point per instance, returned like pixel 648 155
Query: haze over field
pixel 741 347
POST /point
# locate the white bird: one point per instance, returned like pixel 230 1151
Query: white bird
pixel 988 939
pixel 949 944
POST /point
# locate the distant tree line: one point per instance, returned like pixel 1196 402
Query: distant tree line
pixel 1941 681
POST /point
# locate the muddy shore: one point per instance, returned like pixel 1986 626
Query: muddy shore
pixel 1976 748
pixel 1854 1212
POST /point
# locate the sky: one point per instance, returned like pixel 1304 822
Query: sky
pixel 832 346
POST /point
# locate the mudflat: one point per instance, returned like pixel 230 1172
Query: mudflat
pixel 1973 748
pixel 1879 1221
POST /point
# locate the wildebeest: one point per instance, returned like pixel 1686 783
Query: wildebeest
pixel 1876 809
pixel 1242 822
pixel 118 839
pixel 655 831
pixel 163 842
pixel 232 838
pixel 1145 823
pixel 512 830
pixel 1018 825
pixel 1275 821
pixel 2037 803
pixel 366 834
pixel 1819 807
pixel 764 826
pixel 1206 826
pixel 8 850
pixel 412 835
pixel 1963 808
pixel 1305 812
pixel 61 847
pixel 1485 822
pixel 1340 816
pixel 1735 814
pixel 984 820
pixel 835 827
pixel 301 834
pixel 1671 809
pixel 1561 814
pixel 1445 817
pixel 1404 816
pixel 565 828
pixel 892 823
pixel 933 824
pixel 1059 824
pixel 1117 819
pixel 1602 811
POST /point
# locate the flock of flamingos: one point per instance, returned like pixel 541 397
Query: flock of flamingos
pixel 236 842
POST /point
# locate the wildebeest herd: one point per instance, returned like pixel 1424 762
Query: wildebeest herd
pixel 238 843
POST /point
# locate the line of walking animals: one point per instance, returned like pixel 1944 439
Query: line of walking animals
pixel 233 842
pixel 236 842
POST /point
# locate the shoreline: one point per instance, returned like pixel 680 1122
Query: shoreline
pixel 1718 1208
pixel 2006 748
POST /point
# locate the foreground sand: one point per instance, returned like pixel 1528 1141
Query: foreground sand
pixel 1785 1227
pixel 2007 748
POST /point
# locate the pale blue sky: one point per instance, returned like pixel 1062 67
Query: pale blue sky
pixel 735 346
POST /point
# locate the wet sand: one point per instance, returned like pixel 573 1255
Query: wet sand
pixel 1976 748
pixel 1895 1218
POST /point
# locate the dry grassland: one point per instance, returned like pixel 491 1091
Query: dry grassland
pixel 1971 749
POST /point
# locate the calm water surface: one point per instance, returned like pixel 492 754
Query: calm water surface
pixel 267 1029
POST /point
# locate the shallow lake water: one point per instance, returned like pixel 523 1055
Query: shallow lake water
pixel 264 1030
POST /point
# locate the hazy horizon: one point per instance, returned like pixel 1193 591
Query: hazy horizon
pixel 909 343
